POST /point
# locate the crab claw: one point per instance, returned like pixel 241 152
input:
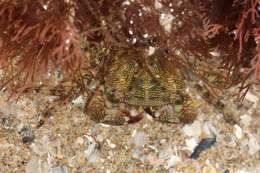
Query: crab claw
pixel 122 117
pixel 112 116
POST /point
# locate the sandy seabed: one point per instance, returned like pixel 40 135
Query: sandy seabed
pixel 69 142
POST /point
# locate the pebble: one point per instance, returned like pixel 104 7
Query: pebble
pixel 90 150
pixel 136 154
pixel 203 145
pixel 100 138
pixel 253 145
pixel 193 129
pixel 60 169
pixel 238 131
pixel 173 160
pixel 206 129
pixel 231 139
pixel 191 144
pixel 27 139
pixel 140 139
pixel 245 119
pixel 251 97
pixel 78 101
pixel 111 144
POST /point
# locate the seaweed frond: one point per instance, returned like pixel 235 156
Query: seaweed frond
pixel 37 37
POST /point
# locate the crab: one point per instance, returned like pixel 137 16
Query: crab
pixel 130 92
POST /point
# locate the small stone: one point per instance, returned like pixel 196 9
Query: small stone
pixel 251 97
pixel 162 141
pixel 136 154
pixel 173 160
pixel 193 130
pixel 203 145
pixel 238 131
pixel 100 138
pixel 140 139
pixel 253 145
pixel 191 144
pixel 90 150
pixel 206 129
pixel 78 101
pixel 28 139
pixel 111 144
pixel 231 139
pixel 60 169
pixel 246 119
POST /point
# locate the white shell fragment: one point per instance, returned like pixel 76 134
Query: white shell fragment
pixel 193 129
pixel 173 160
pixel 140 139
pixel 238 131
pixel 253 144
pixel 191 144
pixel 78 101
pixel 112 145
